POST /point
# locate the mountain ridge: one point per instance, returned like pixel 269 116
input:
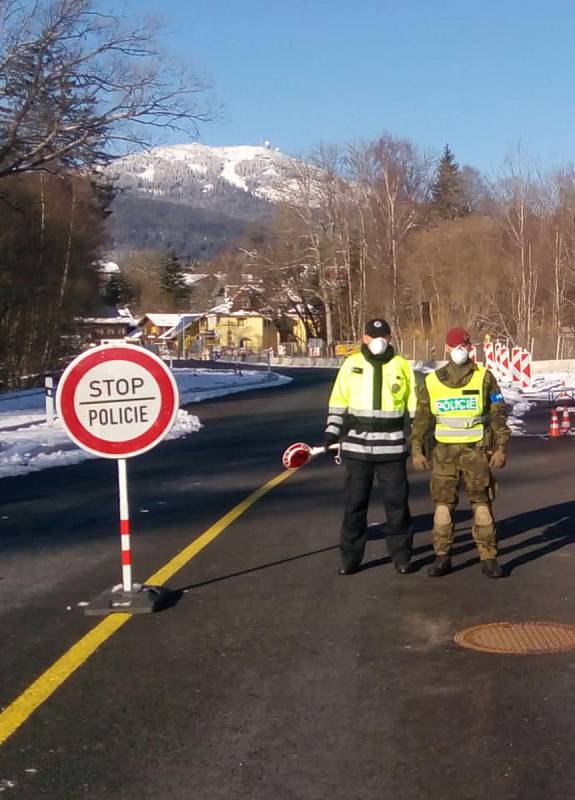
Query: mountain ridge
pixel 194 198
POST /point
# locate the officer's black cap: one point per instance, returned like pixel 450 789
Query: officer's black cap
pixel 377 327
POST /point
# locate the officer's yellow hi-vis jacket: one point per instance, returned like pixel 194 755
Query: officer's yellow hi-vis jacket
pixel 368 405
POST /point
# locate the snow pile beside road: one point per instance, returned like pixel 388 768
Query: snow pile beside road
pixel 39 446
pixel 519 407
pixel 29 444
pixel 544 389
pixel 201 384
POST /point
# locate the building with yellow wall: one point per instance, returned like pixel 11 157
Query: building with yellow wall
pixel 242 324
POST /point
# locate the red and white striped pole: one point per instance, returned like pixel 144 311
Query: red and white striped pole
pixel 125 527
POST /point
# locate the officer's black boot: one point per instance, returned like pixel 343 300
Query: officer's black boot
pixel 349 569
pixel 442 566
pixel 491 569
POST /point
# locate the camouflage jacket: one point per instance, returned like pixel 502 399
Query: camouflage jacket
pixel 497 433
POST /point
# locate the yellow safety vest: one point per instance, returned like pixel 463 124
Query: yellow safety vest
pixel 370 413
pixel 458 412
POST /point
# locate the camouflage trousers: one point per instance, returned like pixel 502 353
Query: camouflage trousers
pixel 451 463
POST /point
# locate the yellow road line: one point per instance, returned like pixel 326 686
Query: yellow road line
pixel 169 569
pixel 43 687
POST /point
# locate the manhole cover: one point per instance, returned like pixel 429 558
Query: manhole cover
pixel 523 638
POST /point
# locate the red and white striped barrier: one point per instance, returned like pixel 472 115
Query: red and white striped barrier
pixel 489 354
pixel 508 365
pixel 516 354
pixel 473 353
pixel 525 369
pixel 497 371
pixel 504 363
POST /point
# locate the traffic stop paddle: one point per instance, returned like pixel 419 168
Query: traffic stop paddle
pixel 118 401
pixel 298 454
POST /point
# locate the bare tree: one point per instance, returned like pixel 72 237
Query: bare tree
pixel 75 83
pixel 393 180
pixel 519 199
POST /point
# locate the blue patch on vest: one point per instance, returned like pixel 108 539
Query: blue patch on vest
pixel 496 397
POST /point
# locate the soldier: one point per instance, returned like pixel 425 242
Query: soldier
pixel 471 435
pixel 367 410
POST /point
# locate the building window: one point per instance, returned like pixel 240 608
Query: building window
pixel 241 323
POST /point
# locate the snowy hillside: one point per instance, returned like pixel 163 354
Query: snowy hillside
pixel 182 171
pixel 193 197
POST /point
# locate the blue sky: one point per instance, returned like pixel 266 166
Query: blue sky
pixel 482 76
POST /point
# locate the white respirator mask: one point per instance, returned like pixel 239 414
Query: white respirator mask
pixel 378 346
pixel 459 355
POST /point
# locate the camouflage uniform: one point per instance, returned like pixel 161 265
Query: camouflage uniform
pixel 451 462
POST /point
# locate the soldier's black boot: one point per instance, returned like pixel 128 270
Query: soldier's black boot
pixel 441 567
pixel 491 569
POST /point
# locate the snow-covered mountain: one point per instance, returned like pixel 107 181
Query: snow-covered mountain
pixel 193 197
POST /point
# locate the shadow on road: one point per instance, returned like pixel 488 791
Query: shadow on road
pixel 555 521
pixel 258 568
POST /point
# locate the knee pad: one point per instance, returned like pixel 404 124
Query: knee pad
pixel 442 515
pixel 482 515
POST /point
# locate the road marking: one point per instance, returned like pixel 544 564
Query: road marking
pixel 43 687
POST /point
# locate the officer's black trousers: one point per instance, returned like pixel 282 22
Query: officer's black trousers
pixel 392 477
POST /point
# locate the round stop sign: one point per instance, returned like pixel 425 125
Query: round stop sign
pixel 117 401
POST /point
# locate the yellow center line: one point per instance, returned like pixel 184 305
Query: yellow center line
pixel 44 686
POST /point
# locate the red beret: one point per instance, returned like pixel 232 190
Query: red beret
pixel 456 337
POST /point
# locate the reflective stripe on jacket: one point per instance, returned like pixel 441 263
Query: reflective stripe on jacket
pixel 367 406
pixel 458 412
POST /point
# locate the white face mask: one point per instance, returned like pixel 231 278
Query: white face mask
pixel 378 346
pixel 459 355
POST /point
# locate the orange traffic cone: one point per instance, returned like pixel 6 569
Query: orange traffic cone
pixel 565 423
pixel 554 426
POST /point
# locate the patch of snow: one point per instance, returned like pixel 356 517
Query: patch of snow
pixel 148 174
pixel 189 278
pixel 231 176
pixel 163 320
pixel 108 267
pixel 29 444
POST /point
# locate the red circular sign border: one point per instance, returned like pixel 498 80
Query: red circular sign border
pixel 139 444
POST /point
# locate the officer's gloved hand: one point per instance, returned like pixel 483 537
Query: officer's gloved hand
pixel 329 439
pixel 498 460
pixel 419 461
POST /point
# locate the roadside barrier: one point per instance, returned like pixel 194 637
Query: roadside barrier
pixel 508 365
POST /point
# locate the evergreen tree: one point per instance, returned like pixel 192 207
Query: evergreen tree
pixel 118 291
pixel 447 190
pixel 172 281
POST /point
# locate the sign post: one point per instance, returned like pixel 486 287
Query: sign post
pixel 49 392
pixel 125 526
pixel 118 401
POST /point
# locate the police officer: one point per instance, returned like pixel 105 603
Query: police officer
pixel 367 410
pixel 471 435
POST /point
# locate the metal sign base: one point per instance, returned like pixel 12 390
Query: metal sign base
pixel 141 600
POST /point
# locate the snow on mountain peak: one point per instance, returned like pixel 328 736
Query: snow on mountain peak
pixel 256 169
pixel 196 198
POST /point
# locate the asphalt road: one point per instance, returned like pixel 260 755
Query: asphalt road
pixel 271 676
